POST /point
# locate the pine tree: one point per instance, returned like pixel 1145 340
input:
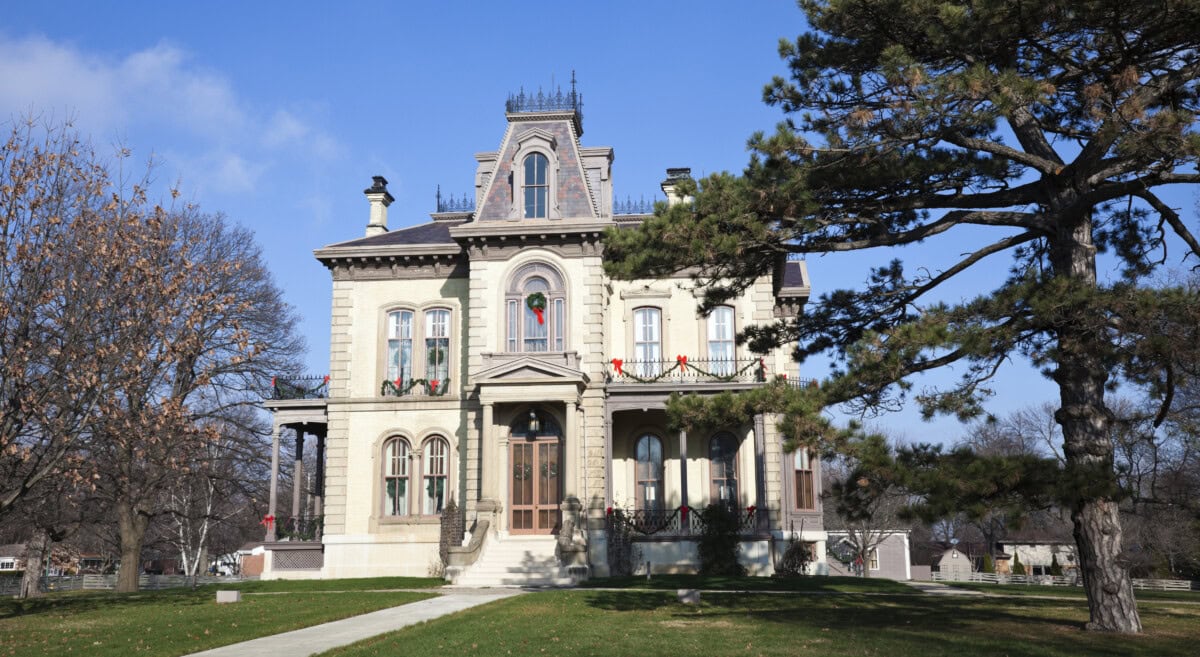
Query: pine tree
pixel 1018 568
pixel 1047 128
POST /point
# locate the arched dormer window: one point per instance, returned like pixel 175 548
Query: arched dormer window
pixel 536 191
pixel 536 310
pixel 534 176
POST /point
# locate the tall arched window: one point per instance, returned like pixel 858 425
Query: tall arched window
pixel 536 310
pixel 647 341
pixel 720 340
pixel 648 473
pixel 436 466
pixel 437 344
pixel 722 456
pixel 399 346
pixel 395 477
pixel 806 499
pixel 536 188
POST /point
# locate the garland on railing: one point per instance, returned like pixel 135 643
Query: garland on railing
pixel 295 390
pixel 434 388
pixel 661 523
pixel 681 364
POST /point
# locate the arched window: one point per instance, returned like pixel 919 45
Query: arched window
pixel 437 344
pixel 536 188
pixel 722 456
pixel 806 499
pixel 647 341
pixel 536 310
pixel 395 477
pixel 720 341
pixel 436 466
pixel 648 473
pixel 399 346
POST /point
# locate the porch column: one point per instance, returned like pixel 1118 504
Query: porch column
pixel 271 502
pixel 608 458
pixel 760 470
pixel 683 468
pixel 486 467
pixel 319 483
pixel 570 458
pixel 297 478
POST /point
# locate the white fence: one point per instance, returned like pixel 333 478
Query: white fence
pixel 10 585
pixel 1072 580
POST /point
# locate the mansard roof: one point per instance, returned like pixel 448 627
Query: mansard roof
pixel 434 232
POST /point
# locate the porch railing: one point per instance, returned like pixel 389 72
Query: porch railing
pixel 300 387
pixel 686 370
pixel 301 528
pixel 684 521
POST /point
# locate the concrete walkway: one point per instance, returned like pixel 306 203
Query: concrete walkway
pixel 937 588
pixel 319 638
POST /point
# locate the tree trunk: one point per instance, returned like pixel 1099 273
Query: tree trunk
pixel 35 557
pixel 1087 447
pixel 132 526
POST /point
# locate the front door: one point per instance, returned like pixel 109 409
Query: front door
pixel 534 486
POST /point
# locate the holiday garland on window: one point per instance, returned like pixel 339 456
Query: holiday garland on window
pixel 397 388
pixel 537 303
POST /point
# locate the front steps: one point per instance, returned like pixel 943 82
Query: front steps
pixel 516 562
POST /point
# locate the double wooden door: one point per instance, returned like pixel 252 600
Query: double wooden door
pixel 535 486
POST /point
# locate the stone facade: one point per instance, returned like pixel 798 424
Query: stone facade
pixel 541 408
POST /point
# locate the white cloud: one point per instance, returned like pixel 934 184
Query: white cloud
pixel 219 140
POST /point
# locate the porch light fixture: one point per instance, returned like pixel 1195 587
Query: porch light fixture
pixel 535 425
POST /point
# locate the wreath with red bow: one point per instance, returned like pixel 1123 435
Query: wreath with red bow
pixel 537 303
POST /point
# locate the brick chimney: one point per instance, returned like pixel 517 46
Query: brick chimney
pixel 670 186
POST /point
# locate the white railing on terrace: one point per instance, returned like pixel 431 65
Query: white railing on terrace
pixel 1069 580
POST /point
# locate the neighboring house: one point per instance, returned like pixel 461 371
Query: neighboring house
pixel 485 357
pixel 954 561
pixel 1037 550
pixel 12 557
pixel 890 559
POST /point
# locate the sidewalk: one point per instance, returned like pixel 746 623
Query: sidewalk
pixel 319 638
pixel 937 588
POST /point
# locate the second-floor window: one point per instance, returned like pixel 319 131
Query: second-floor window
pixel 399 346
pixel 720 340
pixel 647 341
pixel 437 344
pixel 536 310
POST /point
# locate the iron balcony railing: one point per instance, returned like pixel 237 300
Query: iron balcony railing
pixel 684 370
pixel 682 521
pixel 300 387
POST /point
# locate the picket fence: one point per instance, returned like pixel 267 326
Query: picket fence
pixel 1071 580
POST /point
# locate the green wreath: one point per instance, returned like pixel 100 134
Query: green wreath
pixel 537 303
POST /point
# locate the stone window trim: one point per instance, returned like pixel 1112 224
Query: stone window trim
pixel 557 307
pixel 534 140
pixel 428 450
pixel 804 484
pixel 634 339
pixel 416 444
pixel 394 467
pixel 419 367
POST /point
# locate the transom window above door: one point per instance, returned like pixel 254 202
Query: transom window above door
pixel 536 310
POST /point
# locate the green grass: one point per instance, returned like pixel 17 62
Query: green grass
pixel 173 622
pixel 308 585
pixel 813 584
pixel 621 623
pixel 1071 592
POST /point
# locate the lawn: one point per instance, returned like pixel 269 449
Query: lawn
pixel 633 622
pixel 1072 591
pixel 182 621
pixel 809 584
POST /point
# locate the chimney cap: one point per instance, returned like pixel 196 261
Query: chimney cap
pixel 679 173
pixel 379 186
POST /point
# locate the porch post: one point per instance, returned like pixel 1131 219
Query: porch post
pixel 683 468
pixel 271 502
pixel 297 478
pixel 608 452
pixel 486 467
pixel 319 483
pixel 760 480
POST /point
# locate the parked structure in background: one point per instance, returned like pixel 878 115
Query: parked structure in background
pixel 485 356
pixel 890 559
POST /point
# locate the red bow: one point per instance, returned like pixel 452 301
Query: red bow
pixel 326 378
pixel 617 363
pixel 608 511
pixel 396 382
pixel 682 360
pixel 267 521
pixel 433 385
pixel 540 316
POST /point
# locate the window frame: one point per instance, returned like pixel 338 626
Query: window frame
pixel 798 474
pixel 434 371
pixel 656 470
pixel 643 364
pixel 730 470
pixel 428 457
pixel 390 507
pixel 517 312
pixel 540 183
pixel 398 373
pixel 529 142
pixel 721 365
pixel 422 331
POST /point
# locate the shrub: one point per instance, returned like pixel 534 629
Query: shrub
pixel 1055 567
pixel 718 545
pixel 795 560
pixel 989 565
pixel 1018 567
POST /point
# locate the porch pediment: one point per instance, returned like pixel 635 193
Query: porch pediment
pixel 509 369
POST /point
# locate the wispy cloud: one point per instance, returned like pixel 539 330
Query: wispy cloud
pixel 211 136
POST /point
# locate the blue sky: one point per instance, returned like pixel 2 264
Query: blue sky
pixel 278 114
